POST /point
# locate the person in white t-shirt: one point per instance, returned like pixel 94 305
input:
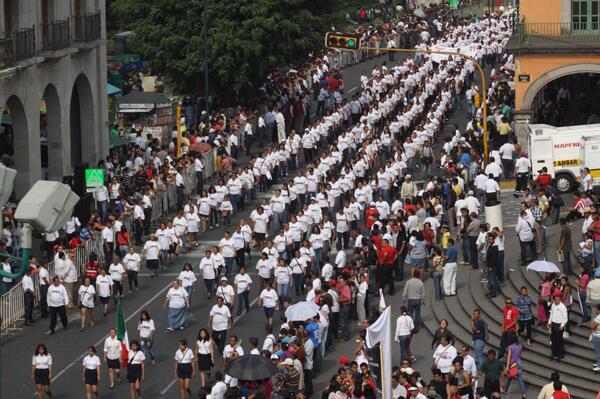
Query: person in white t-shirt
pixel 209 272
pixel 133 265
pixel 91 372
pixel 188 279
pixel 260 223
pixel 219 320
pixel 284 278
pixel 104 289
pixel 242 283
pixel 268 300
pixel 85 300
pixel 117 272
pixel 178 303
pixel 152 254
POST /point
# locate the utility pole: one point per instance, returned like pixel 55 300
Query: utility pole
pixel 205 40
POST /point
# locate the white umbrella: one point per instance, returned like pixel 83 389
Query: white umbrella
pixel 543 266
pixel 302 311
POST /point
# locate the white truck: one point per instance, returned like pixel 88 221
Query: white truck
pixel 558 149
pixel 589 153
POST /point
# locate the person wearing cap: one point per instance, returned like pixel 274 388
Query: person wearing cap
pixel 556 324
pixel 226 292
pixel 291 380
pixel 543 180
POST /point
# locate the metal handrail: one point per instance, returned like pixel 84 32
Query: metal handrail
pixel 55 35
pixel 7 52
pixel 574 32
pixel 87 27
pixel 24 42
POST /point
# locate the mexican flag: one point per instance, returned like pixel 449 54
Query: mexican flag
pixel 122 336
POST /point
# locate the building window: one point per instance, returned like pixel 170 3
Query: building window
pixel 585 16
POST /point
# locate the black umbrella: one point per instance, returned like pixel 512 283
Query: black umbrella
pixel 251 368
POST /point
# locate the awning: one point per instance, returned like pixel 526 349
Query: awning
pixel 110 89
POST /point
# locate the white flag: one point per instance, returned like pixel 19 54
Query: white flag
pixel 381 300
pixel 380 333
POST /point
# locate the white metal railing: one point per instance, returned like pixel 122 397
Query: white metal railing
pixel 12 307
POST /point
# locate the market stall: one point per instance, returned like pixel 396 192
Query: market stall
pixel 148 111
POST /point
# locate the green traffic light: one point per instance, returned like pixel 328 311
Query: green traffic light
pixel 351 42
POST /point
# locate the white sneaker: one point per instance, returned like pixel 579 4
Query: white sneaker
pixel 596 368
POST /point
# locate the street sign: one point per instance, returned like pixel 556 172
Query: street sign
pixel 453 4
pixel 94 180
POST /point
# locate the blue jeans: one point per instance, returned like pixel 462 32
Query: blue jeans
pixel 228 266
pixel 520 381
pixel 404 347
pixel 466 252
pixel 279 220
pixel 596 342
pixel 103 209
pixel 282 290
pixel 585 314
pixel 146 347
pixel 478 347
pixel 567 268
pixel 437 285
pixel 414 310
pixel 317 259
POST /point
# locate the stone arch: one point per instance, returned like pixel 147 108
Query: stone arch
pixel 20 157
pixel 82 122
pixel 551 75
pixel 54 132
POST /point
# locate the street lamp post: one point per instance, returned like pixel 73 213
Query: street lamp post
pixel 205 41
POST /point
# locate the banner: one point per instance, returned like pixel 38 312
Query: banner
pixel 380 334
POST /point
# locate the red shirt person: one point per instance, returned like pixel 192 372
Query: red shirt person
pixel 386 259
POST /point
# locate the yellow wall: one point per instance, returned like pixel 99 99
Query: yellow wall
pixel 540 10
pixel 537 65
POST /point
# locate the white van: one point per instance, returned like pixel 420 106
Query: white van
pixel 557 148
pixel 589 153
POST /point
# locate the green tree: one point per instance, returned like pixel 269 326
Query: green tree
pixel 247 39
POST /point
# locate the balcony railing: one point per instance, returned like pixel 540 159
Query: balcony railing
pixel 559 33
pixel 88 27
pixel 55 35
pixel 7 52
pixel 24 43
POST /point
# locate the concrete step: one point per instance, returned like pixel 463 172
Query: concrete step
pixel 536 367
pixel 576 365
pixel 522 277
pixel 579 335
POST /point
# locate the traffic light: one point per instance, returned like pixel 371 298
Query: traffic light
pixel 343 41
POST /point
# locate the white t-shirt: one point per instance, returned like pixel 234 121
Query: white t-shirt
pixel 227 247
pixel 86 295
pixel 187 278
pixel 132 261
pixel 103 283
pixel 177 297
pixel 226 293
pixel 91 362
pixel 116 271
pixel 187 356
pixel 269 298
pixel 242 282
pixel 260 222
pixel 146 328
pixel 136 357
pixel 282 274
pixel 207 268
pixel 264 268
pixel 220 317
pixel 41 361
pixel 152 249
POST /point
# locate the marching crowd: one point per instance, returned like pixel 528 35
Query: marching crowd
pixel 338 233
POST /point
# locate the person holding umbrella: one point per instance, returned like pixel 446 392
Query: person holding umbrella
pixel 184 368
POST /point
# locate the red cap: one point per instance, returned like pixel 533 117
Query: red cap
pixel 556 292
pixel 343 360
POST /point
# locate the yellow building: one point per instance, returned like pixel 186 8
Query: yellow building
pixel 552 39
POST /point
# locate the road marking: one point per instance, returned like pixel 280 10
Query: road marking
pixel 133 314
pixel 164 391
pixel 352 89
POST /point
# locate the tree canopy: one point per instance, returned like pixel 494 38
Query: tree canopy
pixel 247 39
